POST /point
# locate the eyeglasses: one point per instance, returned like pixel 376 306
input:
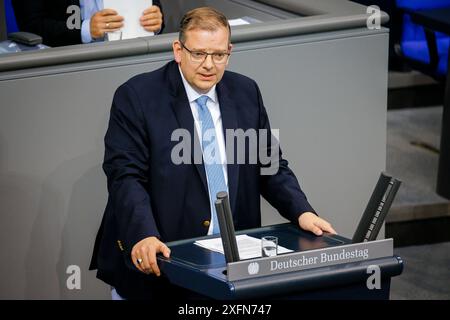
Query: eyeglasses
pixel 200 56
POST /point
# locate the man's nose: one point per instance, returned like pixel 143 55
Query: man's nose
pixel 208 63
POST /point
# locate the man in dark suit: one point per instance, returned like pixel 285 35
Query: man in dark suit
pixel 152 197
pixel 47 18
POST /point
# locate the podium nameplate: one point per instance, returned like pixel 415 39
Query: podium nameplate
pixel 297 261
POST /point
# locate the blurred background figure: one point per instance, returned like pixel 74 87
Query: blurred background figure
pixel 48 19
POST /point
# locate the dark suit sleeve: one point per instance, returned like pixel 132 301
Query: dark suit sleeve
pixel 280 188
pixel 126 167
pixel 158 3
pixel 47 19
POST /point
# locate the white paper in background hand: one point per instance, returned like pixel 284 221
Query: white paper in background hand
pixel 131 11
pixel 237 22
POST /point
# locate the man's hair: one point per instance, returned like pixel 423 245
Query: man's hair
pixel 205 18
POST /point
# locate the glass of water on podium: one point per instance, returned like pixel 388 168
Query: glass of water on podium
pixel 269 246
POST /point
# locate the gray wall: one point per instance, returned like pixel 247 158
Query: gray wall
pixel 325 92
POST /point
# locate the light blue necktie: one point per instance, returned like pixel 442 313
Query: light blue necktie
pixel 213 168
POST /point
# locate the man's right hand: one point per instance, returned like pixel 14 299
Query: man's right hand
pixel 103 21
pixel 146 250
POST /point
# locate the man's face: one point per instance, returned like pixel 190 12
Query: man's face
pixel 202 76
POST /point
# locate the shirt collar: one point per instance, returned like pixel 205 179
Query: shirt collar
pixel 193 95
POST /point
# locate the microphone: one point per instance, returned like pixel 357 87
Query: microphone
pixel 226 226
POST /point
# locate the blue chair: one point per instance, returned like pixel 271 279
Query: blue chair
pixel 425 50
pixel 428 51
pixel 11 24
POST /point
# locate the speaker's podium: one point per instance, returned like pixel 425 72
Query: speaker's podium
pixel 302 274
pixel 319 267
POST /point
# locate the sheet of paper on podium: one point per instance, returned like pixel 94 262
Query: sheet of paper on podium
pixel 248 247
pixel 131 11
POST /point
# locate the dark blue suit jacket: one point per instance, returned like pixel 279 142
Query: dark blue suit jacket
pixel 149 195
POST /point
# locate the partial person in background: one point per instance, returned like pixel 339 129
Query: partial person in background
pixel 48 19
pixel 98 20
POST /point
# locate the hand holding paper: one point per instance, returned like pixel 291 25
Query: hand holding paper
pixel 105 20
pixel 141 19
pixel 152 19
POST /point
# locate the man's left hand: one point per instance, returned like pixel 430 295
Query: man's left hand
pixel 152 19
pixel 310 222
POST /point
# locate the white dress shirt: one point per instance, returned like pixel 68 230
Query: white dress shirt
pixel 214 109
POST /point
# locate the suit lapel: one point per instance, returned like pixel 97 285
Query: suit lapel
pixel 181 108
pixel 229 121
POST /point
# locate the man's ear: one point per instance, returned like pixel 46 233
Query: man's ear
pixel 177 49
pixel 230 47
